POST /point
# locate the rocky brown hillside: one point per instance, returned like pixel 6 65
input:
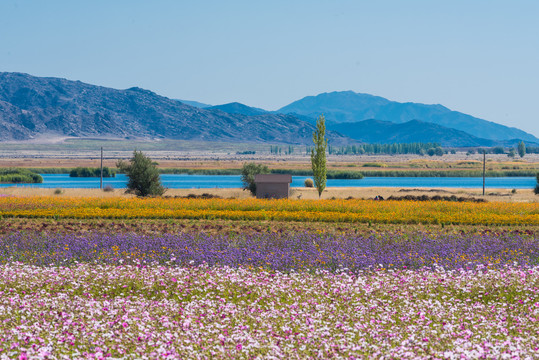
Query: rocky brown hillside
pixel 34 106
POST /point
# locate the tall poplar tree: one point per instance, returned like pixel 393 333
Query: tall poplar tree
pixel 318 155
pixel 522 149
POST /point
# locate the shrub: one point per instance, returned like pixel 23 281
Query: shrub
pixel 91 172
pixel 108 188
pixel 309 183
pixel 18 175
pixel 142 174
pixel 58 191
pixel 497 150
pixel 438 151
pixel 331 174
pixel 248 172
pixel 371 164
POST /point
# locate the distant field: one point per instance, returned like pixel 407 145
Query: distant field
pixel 83 145
pixel 400 165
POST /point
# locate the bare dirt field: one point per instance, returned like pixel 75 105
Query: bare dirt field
pixel 238 227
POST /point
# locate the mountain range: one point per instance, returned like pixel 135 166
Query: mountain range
pixel 382 131
pixel 33 107
pixel 348 106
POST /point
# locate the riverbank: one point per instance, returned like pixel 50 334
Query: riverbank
pixel 492 195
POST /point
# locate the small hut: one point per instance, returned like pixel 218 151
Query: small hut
pixel 272 186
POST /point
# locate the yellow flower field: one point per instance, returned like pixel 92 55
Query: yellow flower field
pixel 365 211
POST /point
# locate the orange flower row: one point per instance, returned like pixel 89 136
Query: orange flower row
pixel 285 210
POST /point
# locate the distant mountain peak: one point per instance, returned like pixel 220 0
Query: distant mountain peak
pixel 195 104
pixel 136 88
pixel 239 108
pixel 141 90
pixel 346 94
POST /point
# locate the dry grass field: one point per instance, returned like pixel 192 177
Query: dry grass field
pixel 503 195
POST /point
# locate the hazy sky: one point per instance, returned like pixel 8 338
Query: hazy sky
pixel 480 57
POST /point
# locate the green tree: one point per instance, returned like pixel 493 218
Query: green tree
pixel 511 153
pixel 142 174
pixel 308 183
pixel 248 172
pixel 318 155
pixel 537 186
pixel 521 149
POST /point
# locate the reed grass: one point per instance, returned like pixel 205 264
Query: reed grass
pixel 18 175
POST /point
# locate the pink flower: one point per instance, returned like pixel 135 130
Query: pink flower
pixel 124 325
pixel 174 279
pixel 239 347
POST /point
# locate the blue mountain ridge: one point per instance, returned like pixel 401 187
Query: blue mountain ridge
pixel 348 106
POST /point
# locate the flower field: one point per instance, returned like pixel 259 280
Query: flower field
pixel 304 295
pixel 75 285
pixel 365 211
pixel 134 312
pixel 307 252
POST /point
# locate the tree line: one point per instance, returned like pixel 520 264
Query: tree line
pixel 387 149
pixel 520 150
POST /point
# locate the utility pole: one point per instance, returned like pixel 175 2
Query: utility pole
pixel 484 167
pixel 101 182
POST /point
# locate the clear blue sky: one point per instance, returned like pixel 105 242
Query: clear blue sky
pixel 480 57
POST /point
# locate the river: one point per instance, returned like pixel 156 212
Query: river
pixel 233 181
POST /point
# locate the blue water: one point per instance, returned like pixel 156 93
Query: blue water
pixel 233 181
